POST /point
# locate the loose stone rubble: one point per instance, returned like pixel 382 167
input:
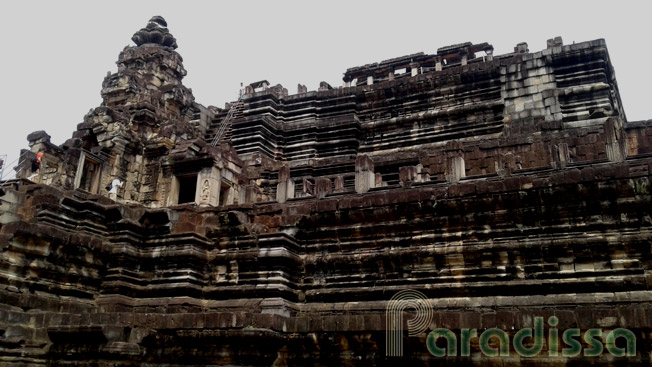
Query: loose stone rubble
pixel 502 187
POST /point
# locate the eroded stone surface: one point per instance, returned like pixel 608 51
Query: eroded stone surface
pixel 502 187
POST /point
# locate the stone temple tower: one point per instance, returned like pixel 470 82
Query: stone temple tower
pixel 146 133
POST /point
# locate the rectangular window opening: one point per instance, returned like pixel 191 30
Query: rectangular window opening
pixel 90 176
pixel 187 189
pixel 399 72
pixel 224 194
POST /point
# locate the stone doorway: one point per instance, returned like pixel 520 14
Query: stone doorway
pixel 187 189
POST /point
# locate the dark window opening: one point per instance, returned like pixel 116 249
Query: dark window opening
pixel 187 189
pixel 90 176
pixel 224 194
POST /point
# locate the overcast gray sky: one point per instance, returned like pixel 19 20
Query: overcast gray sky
pixel 56 54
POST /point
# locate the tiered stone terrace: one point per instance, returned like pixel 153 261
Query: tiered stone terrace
pixel 502 187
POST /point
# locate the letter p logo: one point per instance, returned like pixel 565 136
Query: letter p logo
pixel 396 307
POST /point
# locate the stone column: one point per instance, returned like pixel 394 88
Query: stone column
pixel 465 56
pixel 490 53
pixel 339 183
pixel 379 180
pixel 346 82
pixel 308 187
pixel 455 168
pixel 615 144
pixel 414 68
pixel 364 174
pixel 423 174
pixel 370 79
pixel 438 65
pixel 406 175
pixel 285 186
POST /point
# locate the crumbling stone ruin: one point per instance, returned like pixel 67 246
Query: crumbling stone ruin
pixel 501 187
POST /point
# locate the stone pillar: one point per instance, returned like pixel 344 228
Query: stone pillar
pixel 390 75
pixel 364 174
pixel 465 56
pixel 455 168
pixel 323 187
pixel 301 89
pixel 490 53
pixel 379 180
pixel 414 68
pixel 370 79
pixel 285 186
pixel 339 183
pixel 423 174
pixel 308 187
pixel 438 65
pixel 406 175
pixel 615 143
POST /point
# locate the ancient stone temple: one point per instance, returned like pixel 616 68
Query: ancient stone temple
pixel 500 190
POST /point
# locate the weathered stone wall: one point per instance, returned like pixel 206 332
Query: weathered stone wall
pixel 548 109
pixel 501 187
pixel 88 280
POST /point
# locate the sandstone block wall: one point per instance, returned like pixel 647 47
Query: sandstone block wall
pixel 501 187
